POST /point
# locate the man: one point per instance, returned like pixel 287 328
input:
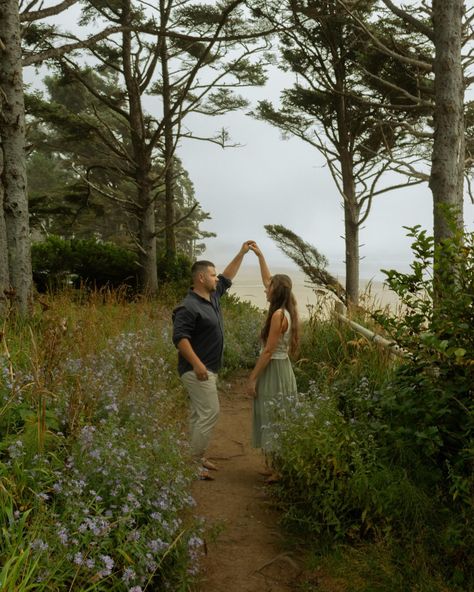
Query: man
pixel 198 335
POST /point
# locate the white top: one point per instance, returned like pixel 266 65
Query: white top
pixel 281 350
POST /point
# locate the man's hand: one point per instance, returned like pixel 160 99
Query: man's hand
pixel 231 270
pixel 200 371
pixel 247 245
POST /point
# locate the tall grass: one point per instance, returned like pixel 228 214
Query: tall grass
pixel 332 353
pixel 94 478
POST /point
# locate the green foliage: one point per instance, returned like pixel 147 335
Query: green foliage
pixel 429 405
pixel 242 325
pixel 318 456
pixel 307 257
pixel 57 263
pixel 80 187
pixel 372 567
pixel 333 355
pixel 177 270
pixel 333 483
pixel 342 76
pixel 381 450
pixel 19 570
pixel 94 476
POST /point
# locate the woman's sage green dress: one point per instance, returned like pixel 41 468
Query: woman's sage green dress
pixel 274 387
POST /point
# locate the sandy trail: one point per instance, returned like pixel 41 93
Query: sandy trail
pixel 247 552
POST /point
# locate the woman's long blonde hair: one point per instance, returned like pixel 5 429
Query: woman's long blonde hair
pixel 282 297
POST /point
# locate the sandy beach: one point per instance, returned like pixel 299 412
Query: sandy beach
pixel 248 286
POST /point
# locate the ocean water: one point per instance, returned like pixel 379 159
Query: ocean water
pixel 247 285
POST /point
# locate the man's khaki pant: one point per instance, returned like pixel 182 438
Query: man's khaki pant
pixel 204 404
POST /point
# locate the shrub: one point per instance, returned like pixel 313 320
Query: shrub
pixel 175 271
pixel 58 263
pixel 333 481
pixel 382 449
pixel 429 405
pixel 242 325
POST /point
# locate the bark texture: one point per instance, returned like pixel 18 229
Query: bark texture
pixel 351 240
pixel 4 273
pixel 169 148
pixel 13 176
pixel 345 146
pixel 142 163
pixel 447 172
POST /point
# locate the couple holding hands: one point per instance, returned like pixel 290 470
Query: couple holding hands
pixel 199 337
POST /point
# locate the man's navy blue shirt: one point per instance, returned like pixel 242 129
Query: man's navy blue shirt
pixel 200 321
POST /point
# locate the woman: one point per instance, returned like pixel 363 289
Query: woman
pixel 272 378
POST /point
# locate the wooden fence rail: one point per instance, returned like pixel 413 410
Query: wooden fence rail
pixel 368 334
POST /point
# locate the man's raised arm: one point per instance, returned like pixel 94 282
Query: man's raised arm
pixel 233 267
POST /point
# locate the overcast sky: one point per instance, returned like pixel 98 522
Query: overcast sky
pixel 274 181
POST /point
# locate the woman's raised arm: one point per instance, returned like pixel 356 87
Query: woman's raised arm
pixel 264 271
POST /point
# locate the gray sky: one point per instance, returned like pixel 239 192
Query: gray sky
pixel 274 181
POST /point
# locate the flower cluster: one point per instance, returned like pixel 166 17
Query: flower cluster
pixel 111 496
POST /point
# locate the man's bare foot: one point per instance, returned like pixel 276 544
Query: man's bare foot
pixel 206 463
pixel 204 475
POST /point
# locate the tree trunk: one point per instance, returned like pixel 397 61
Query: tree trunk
pixel 447 170
pixel 13 179
pixel 351 208
pixel 147 236
pixel 351 231
pixel 142 160
pixel 4 274
pixel 170 238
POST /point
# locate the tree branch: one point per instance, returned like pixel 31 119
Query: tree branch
pixel 425 66
pixel 56 52
pixel 416 100
pixel 99 96
pixel 45 12
pixel 410 19
pixel 195 70
pixel 110 196
pixel 220 141
pixel 178 221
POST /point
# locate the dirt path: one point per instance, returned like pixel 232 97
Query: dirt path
pixel 247 553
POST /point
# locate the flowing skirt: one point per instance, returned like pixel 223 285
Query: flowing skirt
pixel 274 386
